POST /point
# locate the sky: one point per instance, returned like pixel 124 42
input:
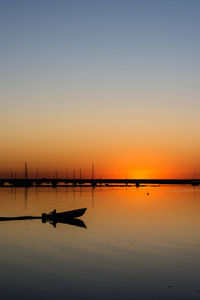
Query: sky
pixel 110 82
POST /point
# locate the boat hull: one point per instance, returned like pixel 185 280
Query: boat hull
pixel 64 215
pixel 67 215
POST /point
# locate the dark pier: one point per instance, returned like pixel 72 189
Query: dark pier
pixel 58 182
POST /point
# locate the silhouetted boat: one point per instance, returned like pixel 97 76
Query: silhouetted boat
pixel 64 215
pixel 53 216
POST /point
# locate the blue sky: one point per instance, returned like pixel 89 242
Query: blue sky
pixel 120 65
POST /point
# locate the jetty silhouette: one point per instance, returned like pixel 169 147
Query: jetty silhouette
pixel 92 182
pixel 85 182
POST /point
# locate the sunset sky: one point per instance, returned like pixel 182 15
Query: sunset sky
pixel 112 82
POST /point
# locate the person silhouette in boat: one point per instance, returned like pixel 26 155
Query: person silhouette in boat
pixel 53 213
pixel 52 220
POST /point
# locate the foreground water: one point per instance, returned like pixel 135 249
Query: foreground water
pixel 135 246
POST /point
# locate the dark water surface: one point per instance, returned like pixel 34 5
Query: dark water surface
pixel 136 246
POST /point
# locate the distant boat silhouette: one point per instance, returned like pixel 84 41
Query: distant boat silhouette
pixel 67 217
pixel 64 215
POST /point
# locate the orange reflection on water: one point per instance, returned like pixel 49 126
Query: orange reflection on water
pixel 137 239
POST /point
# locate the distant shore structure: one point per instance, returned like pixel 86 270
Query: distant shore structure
pixel 93 181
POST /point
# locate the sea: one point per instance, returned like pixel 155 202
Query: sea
pixel 132 243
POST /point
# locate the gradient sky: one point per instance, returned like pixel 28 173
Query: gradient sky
pixel 111 82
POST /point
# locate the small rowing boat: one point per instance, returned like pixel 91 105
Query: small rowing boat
pixel 71 214
pixel 66 215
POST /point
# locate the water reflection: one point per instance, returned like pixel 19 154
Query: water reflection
pixel 136 246
pixel 25 197
pixel 74 222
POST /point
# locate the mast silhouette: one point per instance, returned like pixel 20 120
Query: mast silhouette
pixel 37 174
pixel 25 171
pixel 92 170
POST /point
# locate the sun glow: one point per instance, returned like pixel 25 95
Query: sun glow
pixel 144 174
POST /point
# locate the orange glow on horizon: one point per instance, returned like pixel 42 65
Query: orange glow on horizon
pixel 86 172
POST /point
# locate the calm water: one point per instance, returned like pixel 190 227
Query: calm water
pixel 136 246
